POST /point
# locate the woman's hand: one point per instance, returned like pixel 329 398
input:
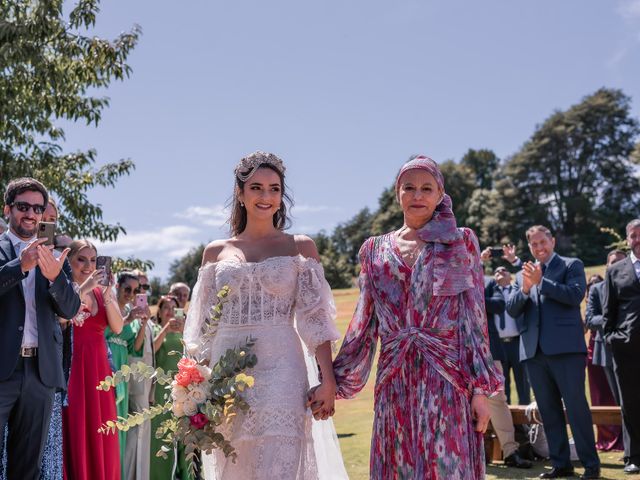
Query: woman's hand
pixel 321 399
pixel 176 326
pixel 93 280
pixel 137 312
pixel 480 412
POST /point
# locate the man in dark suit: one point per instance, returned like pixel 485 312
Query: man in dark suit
pixel 34 288
pixel 594 320
pixel 548 294
pixel 507 328
pixel 621 312
pixel 501 419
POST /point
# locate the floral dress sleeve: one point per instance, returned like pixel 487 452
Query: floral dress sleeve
pixel 315 311
pixel 353 364
pixel 485 377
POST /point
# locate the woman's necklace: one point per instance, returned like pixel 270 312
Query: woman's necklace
pixel 410 253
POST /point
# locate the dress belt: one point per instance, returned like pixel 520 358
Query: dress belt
pixel 439 348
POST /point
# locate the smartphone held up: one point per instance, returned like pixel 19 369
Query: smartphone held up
pixel 104 263
pixel 141 300
pixel 47 230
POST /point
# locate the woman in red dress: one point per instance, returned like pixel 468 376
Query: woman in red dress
pixel 89 454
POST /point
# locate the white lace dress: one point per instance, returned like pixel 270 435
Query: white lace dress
pixel 278 301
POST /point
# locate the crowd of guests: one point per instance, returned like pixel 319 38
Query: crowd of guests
pixel 537 335
pixel 102 323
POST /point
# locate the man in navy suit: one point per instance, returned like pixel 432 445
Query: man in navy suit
pixel 547 297
pixel 621 312
pixel 501 419
pixel 34 288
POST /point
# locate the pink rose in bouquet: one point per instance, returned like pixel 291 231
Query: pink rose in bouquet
pixel 198 421
pixel 188 372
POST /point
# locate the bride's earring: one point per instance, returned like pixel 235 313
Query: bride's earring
pixel 242 204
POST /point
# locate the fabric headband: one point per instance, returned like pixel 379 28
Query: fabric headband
pixel 425 163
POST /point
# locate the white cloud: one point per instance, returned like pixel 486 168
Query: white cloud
pixel 629 9
pixel 172 242
pixel 304 208
pixel 617 56
pixel 214 216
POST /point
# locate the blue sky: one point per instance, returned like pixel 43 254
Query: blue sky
pixel 343 91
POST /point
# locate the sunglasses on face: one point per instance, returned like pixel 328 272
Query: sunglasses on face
pixel 144 286
pixel 25 206
pixel 129 290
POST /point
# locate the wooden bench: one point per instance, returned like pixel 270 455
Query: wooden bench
pixel 600 415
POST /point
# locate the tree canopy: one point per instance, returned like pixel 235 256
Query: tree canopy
pixel 51 71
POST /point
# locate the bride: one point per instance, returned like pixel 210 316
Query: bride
pixel 273 278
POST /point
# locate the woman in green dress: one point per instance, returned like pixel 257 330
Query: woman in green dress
pixel 168 339
pixel 121 345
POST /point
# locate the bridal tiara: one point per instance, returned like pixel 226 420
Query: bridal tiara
pixel 249 164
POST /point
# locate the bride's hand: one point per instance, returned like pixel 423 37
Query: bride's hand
pixel 322 400
pixel 312 403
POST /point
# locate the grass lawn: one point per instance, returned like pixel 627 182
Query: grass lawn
pixel 354 419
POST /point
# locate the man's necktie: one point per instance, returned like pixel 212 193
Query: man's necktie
pixel 506 290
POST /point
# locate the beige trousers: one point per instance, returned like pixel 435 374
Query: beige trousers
pixel 502 421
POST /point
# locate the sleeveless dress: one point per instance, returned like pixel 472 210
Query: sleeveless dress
pixel 89 454
pixel 279 302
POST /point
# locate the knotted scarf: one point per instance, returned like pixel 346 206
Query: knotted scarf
pixel 452 260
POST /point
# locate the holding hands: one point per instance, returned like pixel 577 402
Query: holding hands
pixel 321 399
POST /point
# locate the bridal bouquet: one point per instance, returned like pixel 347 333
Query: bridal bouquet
pixel 200 398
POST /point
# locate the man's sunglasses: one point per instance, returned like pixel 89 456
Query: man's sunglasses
pixel 24 207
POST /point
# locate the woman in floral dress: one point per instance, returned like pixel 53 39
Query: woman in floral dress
pixel 422 294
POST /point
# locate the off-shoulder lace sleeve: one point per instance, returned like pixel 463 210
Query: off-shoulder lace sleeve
pixel 203 298
pixel 315 310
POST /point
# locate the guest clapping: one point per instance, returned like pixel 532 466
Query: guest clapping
pixel 549 293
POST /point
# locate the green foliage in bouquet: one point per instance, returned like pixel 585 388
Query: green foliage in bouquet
pixel 200 400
